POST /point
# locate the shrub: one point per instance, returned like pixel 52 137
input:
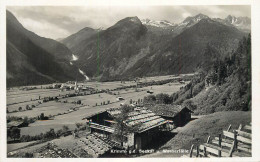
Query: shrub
pixel 163 99
pixel 79 102
pixel 151 99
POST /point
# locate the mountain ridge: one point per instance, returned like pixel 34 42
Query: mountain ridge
pixel 42 60
pixel 133 49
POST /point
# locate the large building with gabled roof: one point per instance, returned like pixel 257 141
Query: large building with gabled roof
pixel 149 125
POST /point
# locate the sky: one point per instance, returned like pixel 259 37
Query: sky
pixel 62 21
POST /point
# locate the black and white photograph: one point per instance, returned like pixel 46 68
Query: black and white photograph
pixel 108 81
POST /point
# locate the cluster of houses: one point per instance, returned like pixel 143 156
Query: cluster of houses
pixel 68 87
pixel 150 125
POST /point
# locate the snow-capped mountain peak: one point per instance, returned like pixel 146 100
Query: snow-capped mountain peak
pixel 231 19
pixel 243 23
pixel 189 21
pixel 158 23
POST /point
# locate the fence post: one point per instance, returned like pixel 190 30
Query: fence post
pixel 234 144
pixel 208 139
pixel 219 143
pixel 219 140
pixel 235 140
pixel 205 152
pixel 197 151
pixel 231 149
pixel 191 150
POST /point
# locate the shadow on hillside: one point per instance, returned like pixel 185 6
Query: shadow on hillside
pixel 182 124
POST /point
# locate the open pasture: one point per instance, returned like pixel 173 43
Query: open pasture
pixel 107 85
pixel 69 120
pixel 23 96
pixel 23 105
pixel 91 100
pixel 48 108
pixel 168 88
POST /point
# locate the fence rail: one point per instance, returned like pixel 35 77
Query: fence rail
pixel 236 143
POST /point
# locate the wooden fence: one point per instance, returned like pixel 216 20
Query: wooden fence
pixel 235 143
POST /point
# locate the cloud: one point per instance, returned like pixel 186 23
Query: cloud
pixel 61 21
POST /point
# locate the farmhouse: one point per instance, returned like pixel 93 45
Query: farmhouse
pixel 178 114
pixel 149 126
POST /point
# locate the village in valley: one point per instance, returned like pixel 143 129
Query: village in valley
pixel 94 119
pixel 88 114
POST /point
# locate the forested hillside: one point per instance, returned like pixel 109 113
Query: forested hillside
pixel 222 83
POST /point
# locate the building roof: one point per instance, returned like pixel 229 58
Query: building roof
pixel 168 110
pixel 101 127
pixel 95 145
pixel 141 116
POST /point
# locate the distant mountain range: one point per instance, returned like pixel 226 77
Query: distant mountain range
pixel 135 48
pixel 241 23
pixel 130 48
pixel 32 59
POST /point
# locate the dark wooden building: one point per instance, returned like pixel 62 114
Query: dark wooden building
pixel 149 123
pixel 179 115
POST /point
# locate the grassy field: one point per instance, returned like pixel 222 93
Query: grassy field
pixel 69 119
pixel 169 88
pixel 198 130
pixel 91 100
pixel 23 96
pixel 48 108
pixel 14 107
pixel 108 85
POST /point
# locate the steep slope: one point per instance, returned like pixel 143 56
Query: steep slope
pixel 223 84
pixel 21 71
pixel 133 48
pixel 197 131
pixel 184 53
pixel 78 37
pixel 40 60
pixel 109 52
